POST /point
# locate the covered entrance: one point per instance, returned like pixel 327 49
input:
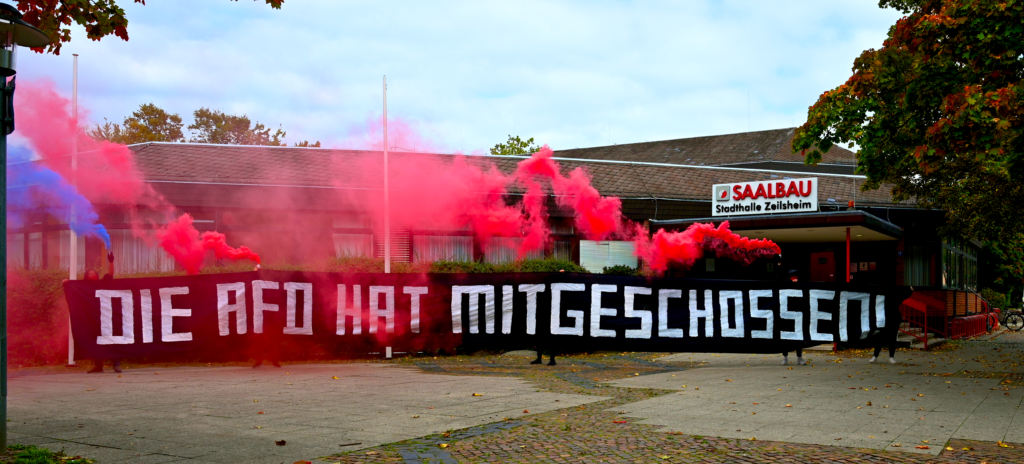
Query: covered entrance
pixel 821 246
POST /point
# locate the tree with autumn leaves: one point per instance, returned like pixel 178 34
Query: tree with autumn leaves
pixel 100 18
pixel 938 113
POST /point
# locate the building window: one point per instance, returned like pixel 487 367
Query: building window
pixel 16 250
pixel 916 264
pixel 430 248
pixel 135 254
pixel 959 265
pixel 353 245
pixel 562 249
pixel 597 255
pixel 501 250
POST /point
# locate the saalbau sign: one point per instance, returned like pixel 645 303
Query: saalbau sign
pixel 766 197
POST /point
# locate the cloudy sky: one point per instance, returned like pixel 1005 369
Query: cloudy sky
pixel 466 74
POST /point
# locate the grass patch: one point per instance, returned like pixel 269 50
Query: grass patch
pixel 28 454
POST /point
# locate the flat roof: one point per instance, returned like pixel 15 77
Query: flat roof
pixel 801 227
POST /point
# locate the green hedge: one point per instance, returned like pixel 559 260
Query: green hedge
pixel 528 265
pixel 994 298
pixel 621 270
pixel 37 317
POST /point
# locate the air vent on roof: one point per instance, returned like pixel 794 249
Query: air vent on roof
pixel 774 176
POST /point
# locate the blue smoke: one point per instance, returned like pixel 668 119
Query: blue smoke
pixel 33 188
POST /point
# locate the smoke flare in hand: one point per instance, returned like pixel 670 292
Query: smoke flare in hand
pixel 182 241
pixel 33 188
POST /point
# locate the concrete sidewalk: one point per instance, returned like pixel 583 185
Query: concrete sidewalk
pixel 926 399
pixel 236 414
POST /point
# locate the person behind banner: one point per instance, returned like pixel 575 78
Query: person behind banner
pixel 887 338
pixel 794 277
pixel 91 274
pixel 540 360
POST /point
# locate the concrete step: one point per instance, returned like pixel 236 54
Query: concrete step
pixel 908 341
pixel 932 343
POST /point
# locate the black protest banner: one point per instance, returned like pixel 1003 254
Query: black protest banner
pixel 308 314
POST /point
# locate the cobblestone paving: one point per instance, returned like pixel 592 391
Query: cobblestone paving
pixel 593 434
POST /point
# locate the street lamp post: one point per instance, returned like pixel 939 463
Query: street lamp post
pixel 13 33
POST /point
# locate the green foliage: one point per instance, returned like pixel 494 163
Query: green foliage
pixel 994 298
pixel 211 126
pixel 621 270
pixel 32 455
pixel 515 146
pixel 549 265
pixel 1007 263
pixel 306 144
pixel 938 113
pixel 149 123
pixel 462 267
pixel 100 18
pixel 526 265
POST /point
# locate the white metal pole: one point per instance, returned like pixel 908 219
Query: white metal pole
pixel 387 205
pixel 73 248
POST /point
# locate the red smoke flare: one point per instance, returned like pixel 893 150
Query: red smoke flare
pixel 106 171
pixel 182 241
pixel 597 217
pixel 689 245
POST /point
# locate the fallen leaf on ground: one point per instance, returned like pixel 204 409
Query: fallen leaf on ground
pixel 1003 445
pixel 371 453
pixel 526 411
pixel 922 447
pixel 258 427
pixel 280 443
pixel 334 377
pixel 261 412
pixel 949 448
pixel 789 405
pixel 621 422
pixel 728 380
pixel 302 462
pixel 442 445
pixel 255 401
pixel 477 394
pixel 968 448
pixel 415 416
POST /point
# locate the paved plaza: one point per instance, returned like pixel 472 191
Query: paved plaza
pixel 953 404
pixel 238 414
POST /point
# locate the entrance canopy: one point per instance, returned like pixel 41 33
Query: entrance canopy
pixel 801 228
